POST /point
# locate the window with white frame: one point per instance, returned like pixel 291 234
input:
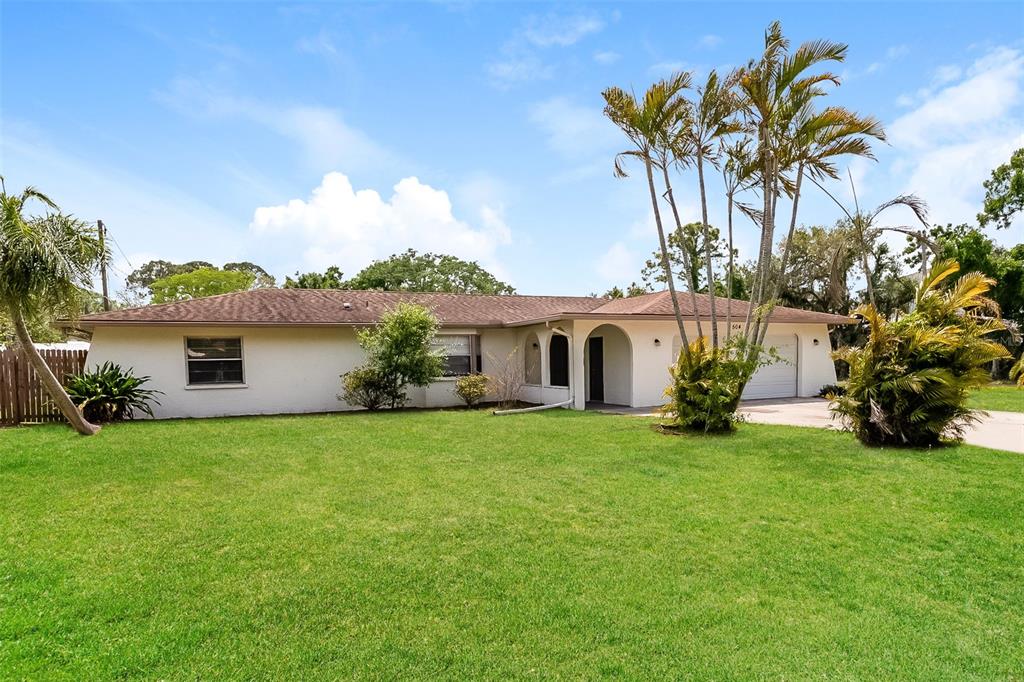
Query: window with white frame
pixel 211 361
pixel 461 353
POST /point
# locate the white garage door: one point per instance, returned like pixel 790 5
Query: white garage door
pixel 777 380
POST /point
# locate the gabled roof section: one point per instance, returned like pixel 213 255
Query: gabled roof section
pixel 333 307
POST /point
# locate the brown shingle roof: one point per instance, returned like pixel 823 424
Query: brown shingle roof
pixel 335 307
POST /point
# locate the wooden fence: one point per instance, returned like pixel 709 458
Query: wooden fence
pixel 22 396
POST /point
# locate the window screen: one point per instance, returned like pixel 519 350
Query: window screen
pixel 214 360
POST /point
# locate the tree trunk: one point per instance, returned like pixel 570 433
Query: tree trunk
pixel 728 276
pixel 777 289
pixel 709 272
pixel 664 255
pixel 764 254
pixel 49 381
pixel 691 276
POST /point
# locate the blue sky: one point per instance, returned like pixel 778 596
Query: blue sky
pixel 301 135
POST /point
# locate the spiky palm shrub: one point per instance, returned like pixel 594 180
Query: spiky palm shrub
pixel 909 383
pixel 707 384
pixel 110 394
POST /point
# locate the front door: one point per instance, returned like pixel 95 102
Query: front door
pixel 597 369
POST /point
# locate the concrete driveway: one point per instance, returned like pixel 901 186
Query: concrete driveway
pixel 999 430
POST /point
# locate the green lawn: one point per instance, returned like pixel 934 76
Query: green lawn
pixel 1005 397
pixel 457 545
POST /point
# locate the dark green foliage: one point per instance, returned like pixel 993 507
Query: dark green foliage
pixel 330 279
pixel 472 388
pixel 412 271
pixel 829 390
pixel 1004 193
pixel 367 387
pixel 910 382
pixel 110 394
pixel 707 384
pixel 398 354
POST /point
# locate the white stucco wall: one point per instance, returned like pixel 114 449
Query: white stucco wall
pixel 287 369
pixel 651 359
pixel 297 369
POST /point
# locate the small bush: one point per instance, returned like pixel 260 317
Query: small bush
pixel 910 381
pixel 398 354
pixel 472 388
pixel 367 387
pixel 707 384
pixel 110 394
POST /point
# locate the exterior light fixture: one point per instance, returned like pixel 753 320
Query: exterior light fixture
pixel 816 342
pixel 657 342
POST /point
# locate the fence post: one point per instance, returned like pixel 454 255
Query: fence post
pixel 16 393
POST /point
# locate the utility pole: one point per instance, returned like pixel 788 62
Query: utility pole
pixel 101 228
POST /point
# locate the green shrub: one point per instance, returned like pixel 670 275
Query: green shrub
pixel 909 383
pixel 706 384
pixel 366 387
pixel 472 388
pixel 830 390
pixel 398 354
pixel 110 394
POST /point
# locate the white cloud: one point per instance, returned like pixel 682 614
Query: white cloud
pixel 667 68
pixel 953 138
pixel 559 30
pixel 947 73
pixel 709 41
pixel 520 61
pixel 339 225
pixel 606 57
pixel 322 133
pixel 515 69
pixel 574 131
pixel 897 51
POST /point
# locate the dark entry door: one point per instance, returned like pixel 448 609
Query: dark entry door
pixel 597 369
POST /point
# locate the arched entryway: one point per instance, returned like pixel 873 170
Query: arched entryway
pixel 608 366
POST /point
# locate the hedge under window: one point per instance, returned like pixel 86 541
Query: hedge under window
pixel 462 353
pixel 214 361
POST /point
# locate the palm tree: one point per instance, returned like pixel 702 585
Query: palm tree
pixel 866 232
pixel 816 140
pixel 643 123
pixel 43 262
pixel 736 173
pixel 673 149
pixel 712 120
pixel 772 90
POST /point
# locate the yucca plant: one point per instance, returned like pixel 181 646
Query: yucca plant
pixel 707 384
pixel 110 394
pixel 909 383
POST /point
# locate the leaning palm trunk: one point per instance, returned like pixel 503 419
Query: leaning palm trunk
pixel 664 253
pixel 709 271
pixel 49 381
pixel 687 264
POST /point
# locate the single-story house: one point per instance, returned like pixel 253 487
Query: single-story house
pixel 270 351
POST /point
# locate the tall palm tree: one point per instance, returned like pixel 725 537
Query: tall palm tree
pixel 712 120
pixel 772 89
pixel 643 123
pixel 817 139
pixel 736 173
pixel 43 262
pixel 672 149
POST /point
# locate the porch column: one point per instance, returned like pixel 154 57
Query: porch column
pixel 544 339
pixel 577 373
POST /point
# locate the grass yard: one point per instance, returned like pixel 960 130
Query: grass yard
pixel 459 545
pixel 1005 397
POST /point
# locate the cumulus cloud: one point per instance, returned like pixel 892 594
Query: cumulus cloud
pixel 955 136
pixel 340 225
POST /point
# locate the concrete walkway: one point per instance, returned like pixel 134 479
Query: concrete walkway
pixel 999 430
